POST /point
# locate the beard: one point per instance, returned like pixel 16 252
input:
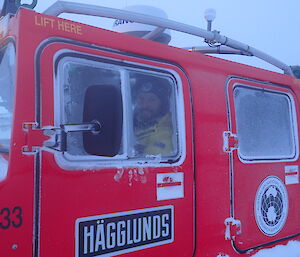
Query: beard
pixel 145 114
pixel 145 117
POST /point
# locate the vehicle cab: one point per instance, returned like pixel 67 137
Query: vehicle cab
pixel 115 145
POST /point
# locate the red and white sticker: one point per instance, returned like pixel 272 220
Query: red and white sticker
pixel 169 186
pixel 291 174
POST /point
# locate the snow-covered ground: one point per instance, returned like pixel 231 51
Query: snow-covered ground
pixel 292 249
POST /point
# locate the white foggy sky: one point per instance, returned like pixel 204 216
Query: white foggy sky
pixel 272 26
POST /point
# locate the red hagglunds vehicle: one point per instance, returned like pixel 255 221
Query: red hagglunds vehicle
pixel 118 145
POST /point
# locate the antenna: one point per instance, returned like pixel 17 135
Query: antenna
pixel 209 15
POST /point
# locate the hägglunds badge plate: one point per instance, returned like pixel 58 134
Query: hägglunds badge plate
pixel 123 232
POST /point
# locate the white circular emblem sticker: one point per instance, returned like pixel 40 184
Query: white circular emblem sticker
pixel 271 206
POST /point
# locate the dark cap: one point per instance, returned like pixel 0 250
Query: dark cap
pixel 157 89
pixel 158 86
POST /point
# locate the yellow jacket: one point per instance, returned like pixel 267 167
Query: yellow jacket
pixel 155 139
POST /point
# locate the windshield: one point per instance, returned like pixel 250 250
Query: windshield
pixel 7 85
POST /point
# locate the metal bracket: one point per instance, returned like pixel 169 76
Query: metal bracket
pixel 58 135
pixel 230 142
pixel 233 228
pixel 53 137
pixel 34 138
pixel 57 140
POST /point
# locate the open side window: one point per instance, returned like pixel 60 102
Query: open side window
pixel 103 106
pixel 130 112
pixel 7 89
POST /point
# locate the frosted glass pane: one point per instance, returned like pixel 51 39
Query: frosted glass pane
pixel 7 89
pixel 7 81
pixel 264 124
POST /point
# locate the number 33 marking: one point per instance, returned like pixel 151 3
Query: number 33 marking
pixel 10 218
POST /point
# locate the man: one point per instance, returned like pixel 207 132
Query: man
pixel 152 120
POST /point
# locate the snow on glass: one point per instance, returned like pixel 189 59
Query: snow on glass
pixel 77 75
pixel 264 124
pixel 7 81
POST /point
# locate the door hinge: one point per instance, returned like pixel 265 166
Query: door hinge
pixel 230 142
pixel 34 137
pixel 233 228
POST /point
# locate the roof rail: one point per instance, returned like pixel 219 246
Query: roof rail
pixel 79 8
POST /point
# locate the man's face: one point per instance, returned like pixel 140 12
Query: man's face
pixel 148 106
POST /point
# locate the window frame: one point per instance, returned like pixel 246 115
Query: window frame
pixel 69 161
pixel 294 126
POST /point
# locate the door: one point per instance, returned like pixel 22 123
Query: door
pixel 265 164
pixel 107 187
